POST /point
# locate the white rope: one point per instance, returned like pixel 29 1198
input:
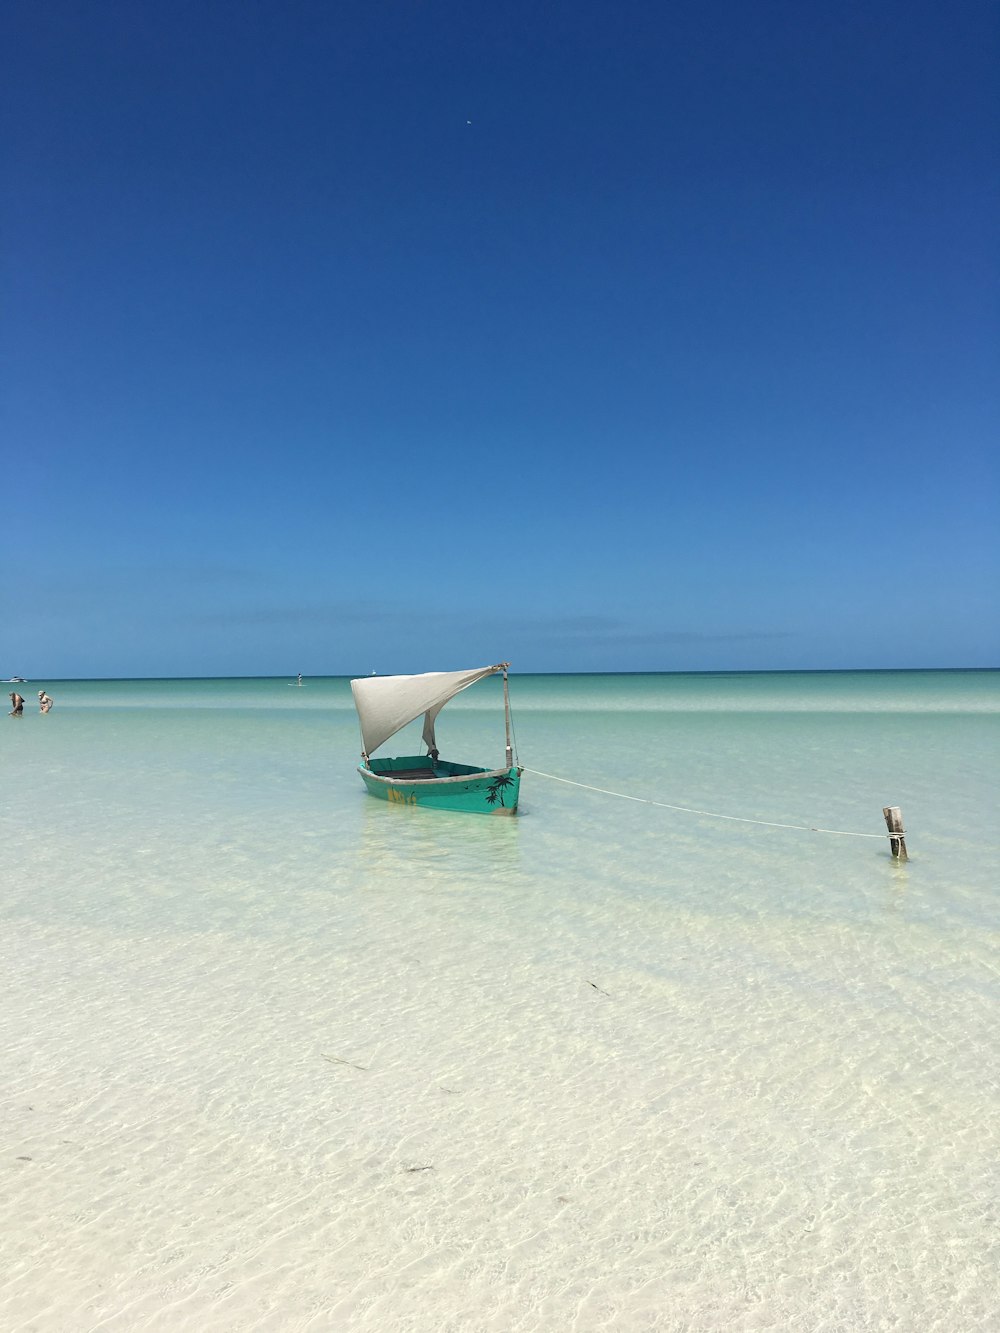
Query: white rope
pixel 713 814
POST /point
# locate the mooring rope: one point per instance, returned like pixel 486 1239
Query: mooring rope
pixel 713 814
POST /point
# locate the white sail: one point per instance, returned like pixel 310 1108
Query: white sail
pixel 387 703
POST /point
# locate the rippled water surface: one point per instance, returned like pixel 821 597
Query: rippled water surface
pixel 278 1056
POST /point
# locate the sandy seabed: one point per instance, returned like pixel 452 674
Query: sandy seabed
pixel 426 1132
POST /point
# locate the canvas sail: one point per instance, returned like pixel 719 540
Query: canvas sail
pixel 387 703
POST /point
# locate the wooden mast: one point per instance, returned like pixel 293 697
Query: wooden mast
pixel 506 719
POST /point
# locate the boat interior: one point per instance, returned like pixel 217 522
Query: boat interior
pixel 420 768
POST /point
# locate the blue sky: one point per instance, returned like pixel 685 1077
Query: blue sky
pixel 341 337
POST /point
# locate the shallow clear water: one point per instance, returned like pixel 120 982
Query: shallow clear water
pixel 280 1056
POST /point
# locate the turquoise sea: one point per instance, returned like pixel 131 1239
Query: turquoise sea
pixel 279 1056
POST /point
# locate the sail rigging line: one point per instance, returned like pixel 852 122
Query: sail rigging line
pixel 711 814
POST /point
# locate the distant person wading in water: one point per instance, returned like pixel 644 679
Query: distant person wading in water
pixel 44 701
pixel 18 703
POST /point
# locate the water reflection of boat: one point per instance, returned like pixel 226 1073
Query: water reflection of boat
pixel 440 857
pixel 386 704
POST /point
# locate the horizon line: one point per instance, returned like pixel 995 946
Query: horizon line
pixel 723 671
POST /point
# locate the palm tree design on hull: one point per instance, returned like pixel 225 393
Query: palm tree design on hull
pixel 494 792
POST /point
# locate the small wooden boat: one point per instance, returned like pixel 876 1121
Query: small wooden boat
pixel 386 704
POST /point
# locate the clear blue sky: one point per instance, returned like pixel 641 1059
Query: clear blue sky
pixel 395 336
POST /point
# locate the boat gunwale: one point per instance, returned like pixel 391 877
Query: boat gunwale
pixel 439 782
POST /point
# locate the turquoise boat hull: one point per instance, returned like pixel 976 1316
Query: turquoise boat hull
pixel 414 780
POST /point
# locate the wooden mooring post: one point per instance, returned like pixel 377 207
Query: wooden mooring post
pixel 894 823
